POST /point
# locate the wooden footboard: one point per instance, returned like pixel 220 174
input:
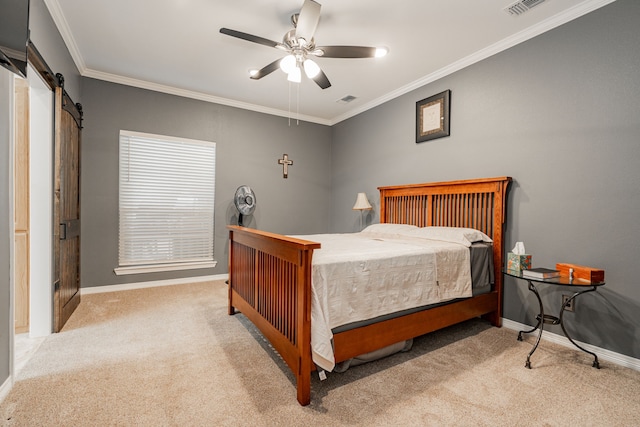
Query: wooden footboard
pixel 270 274
pixel 270 283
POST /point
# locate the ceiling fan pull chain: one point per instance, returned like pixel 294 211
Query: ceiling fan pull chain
pixel 289 104
pixel 298 104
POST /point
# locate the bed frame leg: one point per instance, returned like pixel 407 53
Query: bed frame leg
pixel 231 310
pixel 494 318
pixel 303 382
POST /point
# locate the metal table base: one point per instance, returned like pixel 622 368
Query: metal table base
pixel 554 320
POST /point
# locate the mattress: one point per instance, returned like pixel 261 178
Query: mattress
pixel 482 280
pixel 358 277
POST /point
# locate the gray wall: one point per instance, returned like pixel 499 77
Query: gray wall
pixel 248 145
pixel 558 113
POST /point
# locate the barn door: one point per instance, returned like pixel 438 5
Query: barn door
pixel 66 209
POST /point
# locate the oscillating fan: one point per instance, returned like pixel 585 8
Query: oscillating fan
pixel 245 201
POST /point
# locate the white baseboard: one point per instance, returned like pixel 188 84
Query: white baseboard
pixel 152 284
pixel 603 354
pixel 6 388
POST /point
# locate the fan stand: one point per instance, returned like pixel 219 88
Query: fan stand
pixel 245 202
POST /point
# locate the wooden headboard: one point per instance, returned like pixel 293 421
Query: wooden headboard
pixel 473 203
pixel 476 203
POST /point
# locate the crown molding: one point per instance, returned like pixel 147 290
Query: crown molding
pixel 63 27
pixel 522 36
pixel 531 32
pixel 171 90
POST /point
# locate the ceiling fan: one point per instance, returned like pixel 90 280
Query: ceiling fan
pixel 300 46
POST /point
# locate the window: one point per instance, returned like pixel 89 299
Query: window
pixel 166 202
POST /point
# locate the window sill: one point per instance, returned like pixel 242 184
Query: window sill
pixel 137 269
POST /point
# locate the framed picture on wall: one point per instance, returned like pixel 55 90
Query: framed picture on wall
pixel 432 117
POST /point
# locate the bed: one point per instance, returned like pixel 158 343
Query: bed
pixel 270 275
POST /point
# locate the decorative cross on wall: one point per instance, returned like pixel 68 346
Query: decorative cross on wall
pixel 285 162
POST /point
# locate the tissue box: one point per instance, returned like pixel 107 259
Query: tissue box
pixel 517 263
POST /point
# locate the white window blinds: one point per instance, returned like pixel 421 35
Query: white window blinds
pixel 167 188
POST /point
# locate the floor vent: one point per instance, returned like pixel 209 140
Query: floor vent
pixel 522 6
pixel 345 100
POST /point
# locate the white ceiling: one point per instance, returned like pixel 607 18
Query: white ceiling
pixel 175 46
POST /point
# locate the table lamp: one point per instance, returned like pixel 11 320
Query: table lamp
pixel 362 204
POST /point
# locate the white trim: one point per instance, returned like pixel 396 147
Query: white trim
pixel 65 32
pixel 136 269
pixel 63 27
pixel 41 133
pixel 172 90
pixel 151 284
pixel 12 231
pixel 522 36
pixel 533 31
pixel 6 388
pixel 169 138
pixel 603 354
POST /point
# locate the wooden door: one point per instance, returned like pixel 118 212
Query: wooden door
pixel 21 206
pixel 66 210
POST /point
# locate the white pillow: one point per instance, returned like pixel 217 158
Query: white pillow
pixel 461 235
pixel 391 229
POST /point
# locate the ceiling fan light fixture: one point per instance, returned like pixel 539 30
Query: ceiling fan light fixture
pixel 381 51
pixel 299 43
pixel 311 69
pixel 288 64
pixel 295 75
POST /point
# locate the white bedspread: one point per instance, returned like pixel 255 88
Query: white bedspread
pixel 360 276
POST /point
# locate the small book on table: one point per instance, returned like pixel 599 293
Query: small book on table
pixel 540 273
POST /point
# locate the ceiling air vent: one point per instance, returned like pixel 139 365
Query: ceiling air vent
pixel 345 100
pixel 522 6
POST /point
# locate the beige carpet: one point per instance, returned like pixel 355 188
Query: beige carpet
pixel 171 356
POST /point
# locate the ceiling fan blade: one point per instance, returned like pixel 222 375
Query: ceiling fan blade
pixel 322 80
pixel 345 52
pixel 308 20
pixel 267 70
pixel 251 38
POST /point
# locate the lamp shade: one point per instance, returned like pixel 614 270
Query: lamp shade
pixel 362 203
pixel 295 75
pixel 311 69
pixel 288 63
pixel 381 51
